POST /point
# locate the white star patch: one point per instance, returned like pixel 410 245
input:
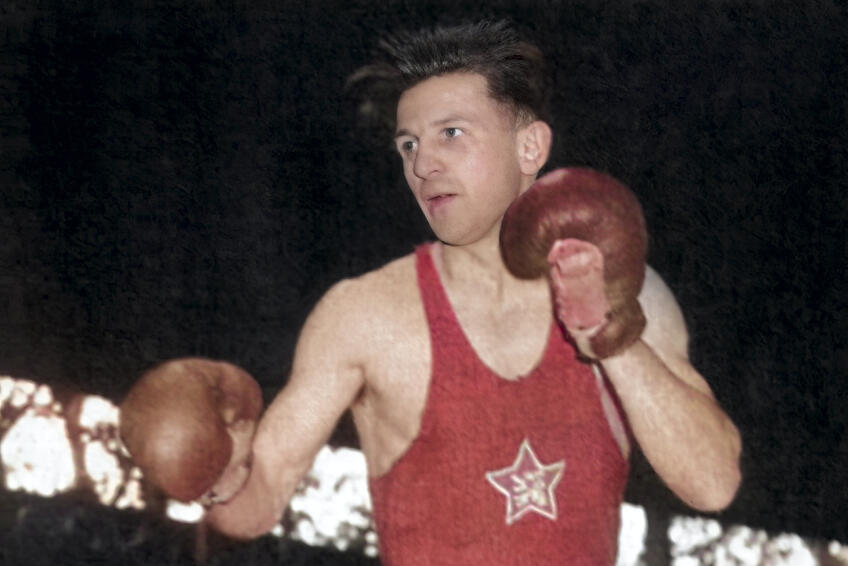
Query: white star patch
pixel 528 485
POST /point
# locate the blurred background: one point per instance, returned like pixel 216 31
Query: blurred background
pixel 188 178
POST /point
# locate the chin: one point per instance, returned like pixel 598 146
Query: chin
pixel 453 239
pixel 468 235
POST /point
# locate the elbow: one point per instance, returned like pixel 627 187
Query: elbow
pixel 236 521
pixel 242 528
pixel 719 486
pixel 719 494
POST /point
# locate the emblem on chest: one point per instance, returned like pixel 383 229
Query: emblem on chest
pixel 528 485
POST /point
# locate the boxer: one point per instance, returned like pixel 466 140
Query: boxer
pixel 488 439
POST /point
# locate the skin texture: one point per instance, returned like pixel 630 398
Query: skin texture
pixel 189 424
pixel 586 231
pixel 366 347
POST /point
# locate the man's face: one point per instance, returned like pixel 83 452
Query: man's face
pixel 460 155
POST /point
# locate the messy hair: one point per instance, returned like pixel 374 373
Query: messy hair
pixel 513 69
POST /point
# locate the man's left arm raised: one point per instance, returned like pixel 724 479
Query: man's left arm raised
pixel 686 436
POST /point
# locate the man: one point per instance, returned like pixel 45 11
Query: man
pixel 487 440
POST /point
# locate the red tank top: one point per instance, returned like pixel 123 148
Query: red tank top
pixel 523 472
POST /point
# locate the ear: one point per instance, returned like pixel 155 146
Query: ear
pixel 534 146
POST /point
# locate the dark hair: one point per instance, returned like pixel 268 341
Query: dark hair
pixel 513 68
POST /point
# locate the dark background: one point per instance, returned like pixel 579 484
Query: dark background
pixel 187 178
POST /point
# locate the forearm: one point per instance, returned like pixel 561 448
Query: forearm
pixel 683 432
pixel 260 504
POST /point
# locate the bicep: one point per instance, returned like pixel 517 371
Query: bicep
pixel 326 378
pixel 665 331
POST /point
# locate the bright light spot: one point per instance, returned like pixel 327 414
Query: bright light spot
pixel 43 396
pixel 7 384
pixel 689 533
pixel 131 496
pixel 36 454
pixel 838 551
pixel 306 532
pixel 97 411
pixel 788 550
pixel 184 512
pixel 742 545
pixel 98 425
pixel 104 470
pixel 631 537
pixel 21 392
pixel 371 544
pixel 700 541
pixel 332 504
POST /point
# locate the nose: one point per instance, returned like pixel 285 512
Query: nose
pixel 426 162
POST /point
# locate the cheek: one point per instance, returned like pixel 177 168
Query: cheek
pixel 412 182
pixel 498 162
pixel 408 174
pixel 498 177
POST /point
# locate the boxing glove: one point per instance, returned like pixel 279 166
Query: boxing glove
pixel 188 425
pixel 586 231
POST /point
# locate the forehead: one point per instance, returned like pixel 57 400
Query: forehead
pixel 456 95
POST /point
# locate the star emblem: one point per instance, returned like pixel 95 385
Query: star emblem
pixel 528 485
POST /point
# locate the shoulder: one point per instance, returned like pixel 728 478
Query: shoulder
pixel 665 332
pixel 666 326
pixel 390 283
pixel 383 290
pixel 356 311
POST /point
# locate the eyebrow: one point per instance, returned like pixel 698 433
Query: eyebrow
pixel 440 122
pixel 402 132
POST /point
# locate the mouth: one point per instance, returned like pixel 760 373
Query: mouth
pixel 436 202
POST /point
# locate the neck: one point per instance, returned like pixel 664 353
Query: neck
pixel 479 266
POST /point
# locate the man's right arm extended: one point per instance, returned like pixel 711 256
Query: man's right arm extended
pixel 327 376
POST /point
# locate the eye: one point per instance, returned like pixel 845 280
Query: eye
pixel 407 146
pixel 452 132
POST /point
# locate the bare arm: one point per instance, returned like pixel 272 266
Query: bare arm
pixel 684 434
pixel 326 378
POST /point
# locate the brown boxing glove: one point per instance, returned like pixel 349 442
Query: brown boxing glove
pixel 188 425
pixel 586 231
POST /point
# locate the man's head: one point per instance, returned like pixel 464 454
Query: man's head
pixel 464 157
pixel 467 104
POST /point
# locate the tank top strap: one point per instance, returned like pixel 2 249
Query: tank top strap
pixel 444 326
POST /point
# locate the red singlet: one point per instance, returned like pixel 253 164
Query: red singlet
pixel 523 472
